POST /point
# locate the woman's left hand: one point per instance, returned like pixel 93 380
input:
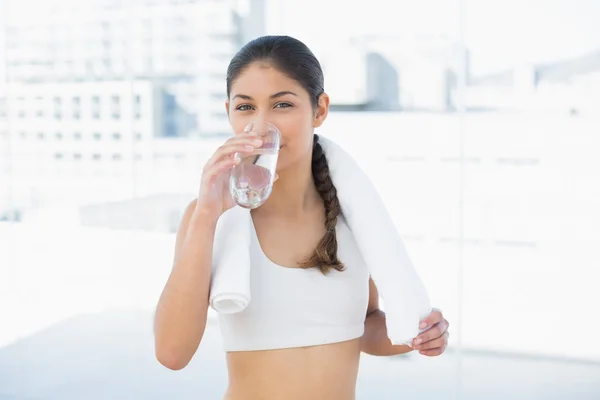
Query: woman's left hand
pixel 434 340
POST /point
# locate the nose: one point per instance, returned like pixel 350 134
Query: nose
pixel 261 119
pixel 258 125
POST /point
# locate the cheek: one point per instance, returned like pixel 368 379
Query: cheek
pixel 296 133
pixel 238 124
pixel 297 140
pixel 239 120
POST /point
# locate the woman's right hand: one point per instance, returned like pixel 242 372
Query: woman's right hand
pixel 214 196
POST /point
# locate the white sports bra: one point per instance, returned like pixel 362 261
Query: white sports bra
pixel 294 307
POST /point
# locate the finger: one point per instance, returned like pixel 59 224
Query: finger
pixel 435 343
pixel 432 333
pixel 213 172
pixel 251 142
pixel 245 135
pixel 433 352
pixel 432 319
pixel 228 150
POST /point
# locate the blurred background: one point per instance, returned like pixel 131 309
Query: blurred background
pixel 478 120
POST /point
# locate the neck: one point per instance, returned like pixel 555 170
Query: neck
pixel 294 192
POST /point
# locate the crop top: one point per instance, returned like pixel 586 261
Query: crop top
pixel 295 307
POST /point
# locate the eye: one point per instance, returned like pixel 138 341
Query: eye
pixel 243 107
pixel 283 105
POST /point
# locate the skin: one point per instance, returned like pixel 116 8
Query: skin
pixel 294 210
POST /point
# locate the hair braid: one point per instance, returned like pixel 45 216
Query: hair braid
pixel 325 255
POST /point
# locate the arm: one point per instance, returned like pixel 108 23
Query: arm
pixel 431 342
pixel 375 340
pixel 180 317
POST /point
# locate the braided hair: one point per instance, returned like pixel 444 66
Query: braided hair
pixel 325 255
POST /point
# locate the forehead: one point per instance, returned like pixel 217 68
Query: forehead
pixel 260 78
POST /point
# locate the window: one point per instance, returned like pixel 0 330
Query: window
pixel 39 107
pixel 95 107
pixel 137 107
pixel 21 104
pixel 217 76
pixel 219 115
pixel 76 104
pixel 115 104
pixel 57 101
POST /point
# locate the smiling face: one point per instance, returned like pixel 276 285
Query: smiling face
pixel 263 93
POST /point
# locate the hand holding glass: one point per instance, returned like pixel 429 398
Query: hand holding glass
pixel 251 180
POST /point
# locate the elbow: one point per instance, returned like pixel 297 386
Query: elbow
pixel 171 356
pixel 175 348
pixel 172 360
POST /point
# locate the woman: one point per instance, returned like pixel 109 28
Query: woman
pixel 297 233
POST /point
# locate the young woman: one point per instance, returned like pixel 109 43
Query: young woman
pixel 304 259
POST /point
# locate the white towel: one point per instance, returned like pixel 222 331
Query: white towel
pixel 406 299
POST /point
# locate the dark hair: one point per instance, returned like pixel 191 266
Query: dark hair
pixel 294 59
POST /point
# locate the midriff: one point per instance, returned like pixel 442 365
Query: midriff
pixel 324 372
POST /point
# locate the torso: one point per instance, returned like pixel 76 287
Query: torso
pixel 327 372
pixel 291 369
pixel 287 242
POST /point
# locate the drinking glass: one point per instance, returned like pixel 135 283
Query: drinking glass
pixel 251 180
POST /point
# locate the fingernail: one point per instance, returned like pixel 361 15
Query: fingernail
pixel 257 142
pixel 418 341
pixel 423 325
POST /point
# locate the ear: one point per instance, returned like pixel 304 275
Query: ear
pixel 227 107
pixel 322 110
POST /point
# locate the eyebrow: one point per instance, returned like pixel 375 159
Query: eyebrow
pixel 273 96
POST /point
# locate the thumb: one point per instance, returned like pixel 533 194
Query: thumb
pixel 432 319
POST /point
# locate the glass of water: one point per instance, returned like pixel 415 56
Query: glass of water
pixel 251 180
